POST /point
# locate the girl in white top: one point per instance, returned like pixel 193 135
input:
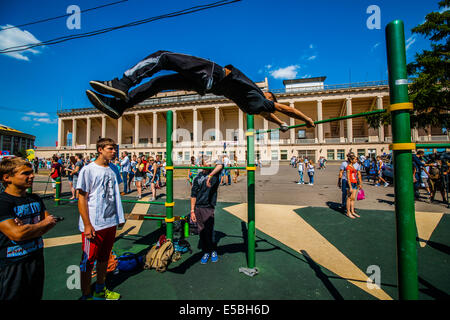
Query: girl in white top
pixel 310 169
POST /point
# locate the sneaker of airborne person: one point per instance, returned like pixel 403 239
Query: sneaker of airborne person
pixel 106 294
pixel 386 184
pixel 112 87
pixel 112 107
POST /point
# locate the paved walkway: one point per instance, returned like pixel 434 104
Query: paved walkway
pixel 279 186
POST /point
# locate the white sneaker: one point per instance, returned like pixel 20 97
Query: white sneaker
pixel 386 184
pixel 299 183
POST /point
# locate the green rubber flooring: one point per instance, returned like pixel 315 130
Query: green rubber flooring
pixel 284 274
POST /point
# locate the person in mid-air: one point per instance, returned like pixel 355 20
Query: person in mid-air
pixel 192 74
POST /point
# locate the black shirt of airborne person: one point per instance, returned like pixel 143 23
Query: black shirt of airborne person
pixel 244 92
pixel 206 197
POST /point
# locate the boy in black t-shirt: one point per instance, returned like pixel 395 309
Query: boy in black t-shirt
pixel 23 221
pixel 193 74
pixel 203 202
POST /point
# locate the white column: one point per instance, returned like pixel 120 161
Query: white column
pixel 241 127
pixel 319 117
pixel 60 131
pixel 381 127
pixel 195 127
pixel 341 131
pixel 174 138
pixel 74 132
pixel 136 129
pixel 267 134
pixel 349 121
pixel 217 124
pixel 291 123
pixel 88 133
pixel 155 128
pixel 119 130
pixel 103 126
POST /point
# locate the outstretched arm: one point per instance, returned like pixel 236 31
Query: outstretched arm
pixel 294 113
pixel 271 117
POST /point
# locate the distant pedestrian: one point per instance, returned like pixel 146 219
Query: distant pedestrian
pixel 310 169
pixel 301 170
pixel 353 186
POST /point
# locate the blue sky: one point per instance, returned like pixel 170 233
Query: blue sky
pixel 279 40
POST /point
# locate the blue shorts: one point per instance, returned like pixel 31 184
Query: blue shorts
pixel 354 186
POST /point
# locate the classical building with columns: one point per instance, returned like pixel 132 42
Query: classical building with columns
pixel 210 124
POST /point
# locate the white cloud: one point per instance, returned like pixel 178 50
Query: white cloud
pixel 45 120
pixel 289 72
pixel 269 66
pixel 444 9
pixel 306 76
pixel 410 41
pixel 25 118
pixel 311 46
pixel 37 114
pixel 312 58
pixel 16 37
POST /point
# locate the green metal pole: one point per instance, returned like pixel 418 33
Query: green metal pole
pixel 251 191
pixel 403 179
pixel 58 190
pixel 169 174
pixel 432 145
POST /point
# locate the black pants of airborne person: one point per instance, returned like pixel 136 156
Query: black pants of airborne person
pixel 193 73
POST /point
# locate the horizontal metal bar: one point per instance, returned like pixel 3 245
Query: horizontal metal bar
pixel 186 167
pixel 356 115
pixel 432 145
pixel 146 202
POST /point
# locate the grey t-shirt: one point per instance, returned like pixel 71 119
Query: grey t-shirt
pixel 79 164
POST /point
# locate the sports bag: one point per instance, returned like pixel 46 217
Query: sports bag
pixel 159 257
pixel 129 261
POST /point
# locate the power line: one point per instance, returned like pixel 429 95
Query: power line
pixel 131 24
pixel 58 17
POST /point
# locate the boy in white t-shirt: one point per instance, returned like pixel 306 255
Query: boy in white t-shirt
pixel 101 212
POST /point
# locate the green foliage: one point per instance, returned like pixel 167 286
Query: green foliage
pixel 430 73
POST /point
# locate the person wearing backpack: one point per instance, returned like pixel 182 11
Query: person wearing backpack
pixel 203 202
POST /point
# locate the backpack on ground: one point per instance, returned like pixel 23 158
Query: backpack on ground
pixel 160 255
pixel 113 262
pixel 182 246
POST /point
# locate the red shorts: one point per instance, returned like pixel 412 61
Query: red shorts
pixel 98 248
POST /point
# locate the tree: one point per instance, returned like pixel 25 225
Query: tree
pixel 430 74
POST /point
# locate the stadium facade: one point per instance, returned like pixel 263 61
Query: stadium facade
pixel 13 141
pixel 210 124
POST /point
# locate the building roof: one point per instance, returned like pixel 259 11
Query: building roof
pixel 305 80
pixel 14 132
